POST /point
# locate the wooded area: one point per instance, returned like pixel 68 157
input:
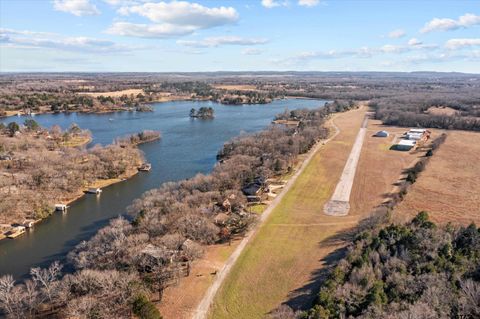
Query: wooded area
pixel 40 167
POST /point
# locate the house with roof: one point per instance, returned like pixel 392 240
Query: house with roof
pixel 255 190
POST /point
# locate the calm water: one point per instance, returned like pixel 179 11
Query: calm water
pixel 187 147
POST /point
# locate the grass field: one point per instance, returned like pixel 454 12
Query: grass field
pixel 449 187
pixel 286 259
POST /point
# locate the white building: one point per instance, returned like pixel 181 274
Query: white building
pixel 382 134
pixel 405 145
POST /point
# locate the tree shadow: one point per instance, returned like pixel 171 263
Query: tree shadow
pixel 304 297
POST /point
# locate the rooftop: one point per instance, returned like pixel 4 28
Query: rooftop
pixel 406 142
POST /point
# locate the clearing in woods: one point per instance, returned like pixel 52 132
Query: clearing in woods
pixel 448 189
pixel 283 263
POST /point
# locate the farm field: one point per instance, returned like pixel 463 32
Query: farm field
pixel 448 188
pixel 284 262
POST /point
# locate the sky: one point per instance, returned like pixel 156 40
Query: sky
pixel 236 35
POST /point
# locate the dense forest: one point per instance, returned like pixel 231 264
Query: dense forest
pixel 417 270
pixel 417 110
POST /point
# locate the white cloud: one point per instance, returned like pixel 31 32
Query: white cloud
pixel 363 52
pixel 441 57
pixel 453 44
pixel 5 31
pixel 388 48
pixel 395 34
pixel 445 24
pixel 164 30
pixel 414 42
pixel 308 3
pixel 307 56
pixel 172 19
pixel 76 7
pixel 184 13
pixel 37 40
pixel 218 41
pixel 274 3
pixel 251 51
pixel 120 2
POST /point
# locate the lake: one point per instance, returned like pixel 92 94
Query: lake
pixel 188 146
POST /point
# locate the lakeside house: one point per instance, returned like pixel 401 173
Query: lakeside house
pixel 254 191
pixel 153 256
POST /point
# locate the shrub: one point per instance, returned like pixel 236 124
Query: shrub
pixel 145 309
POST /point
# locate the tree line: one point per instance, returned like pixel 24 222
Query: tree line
pixel 417 270
pixel 412 110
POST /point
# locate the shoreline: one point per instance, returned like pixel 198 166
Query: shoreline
pixel 160 100
pixel 99 183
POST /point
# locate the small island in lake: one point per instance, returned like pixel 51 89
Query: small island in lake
pixel 202 113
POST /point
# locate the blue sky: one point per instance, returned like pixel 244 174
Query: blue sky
pixel 166 36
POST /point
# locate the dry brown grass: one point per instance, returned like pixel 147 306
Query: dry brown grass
pixel 449 187
pixel 442 111
pixel 235 87
pixel 128 92
pixel 179 301
pixel 379 168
